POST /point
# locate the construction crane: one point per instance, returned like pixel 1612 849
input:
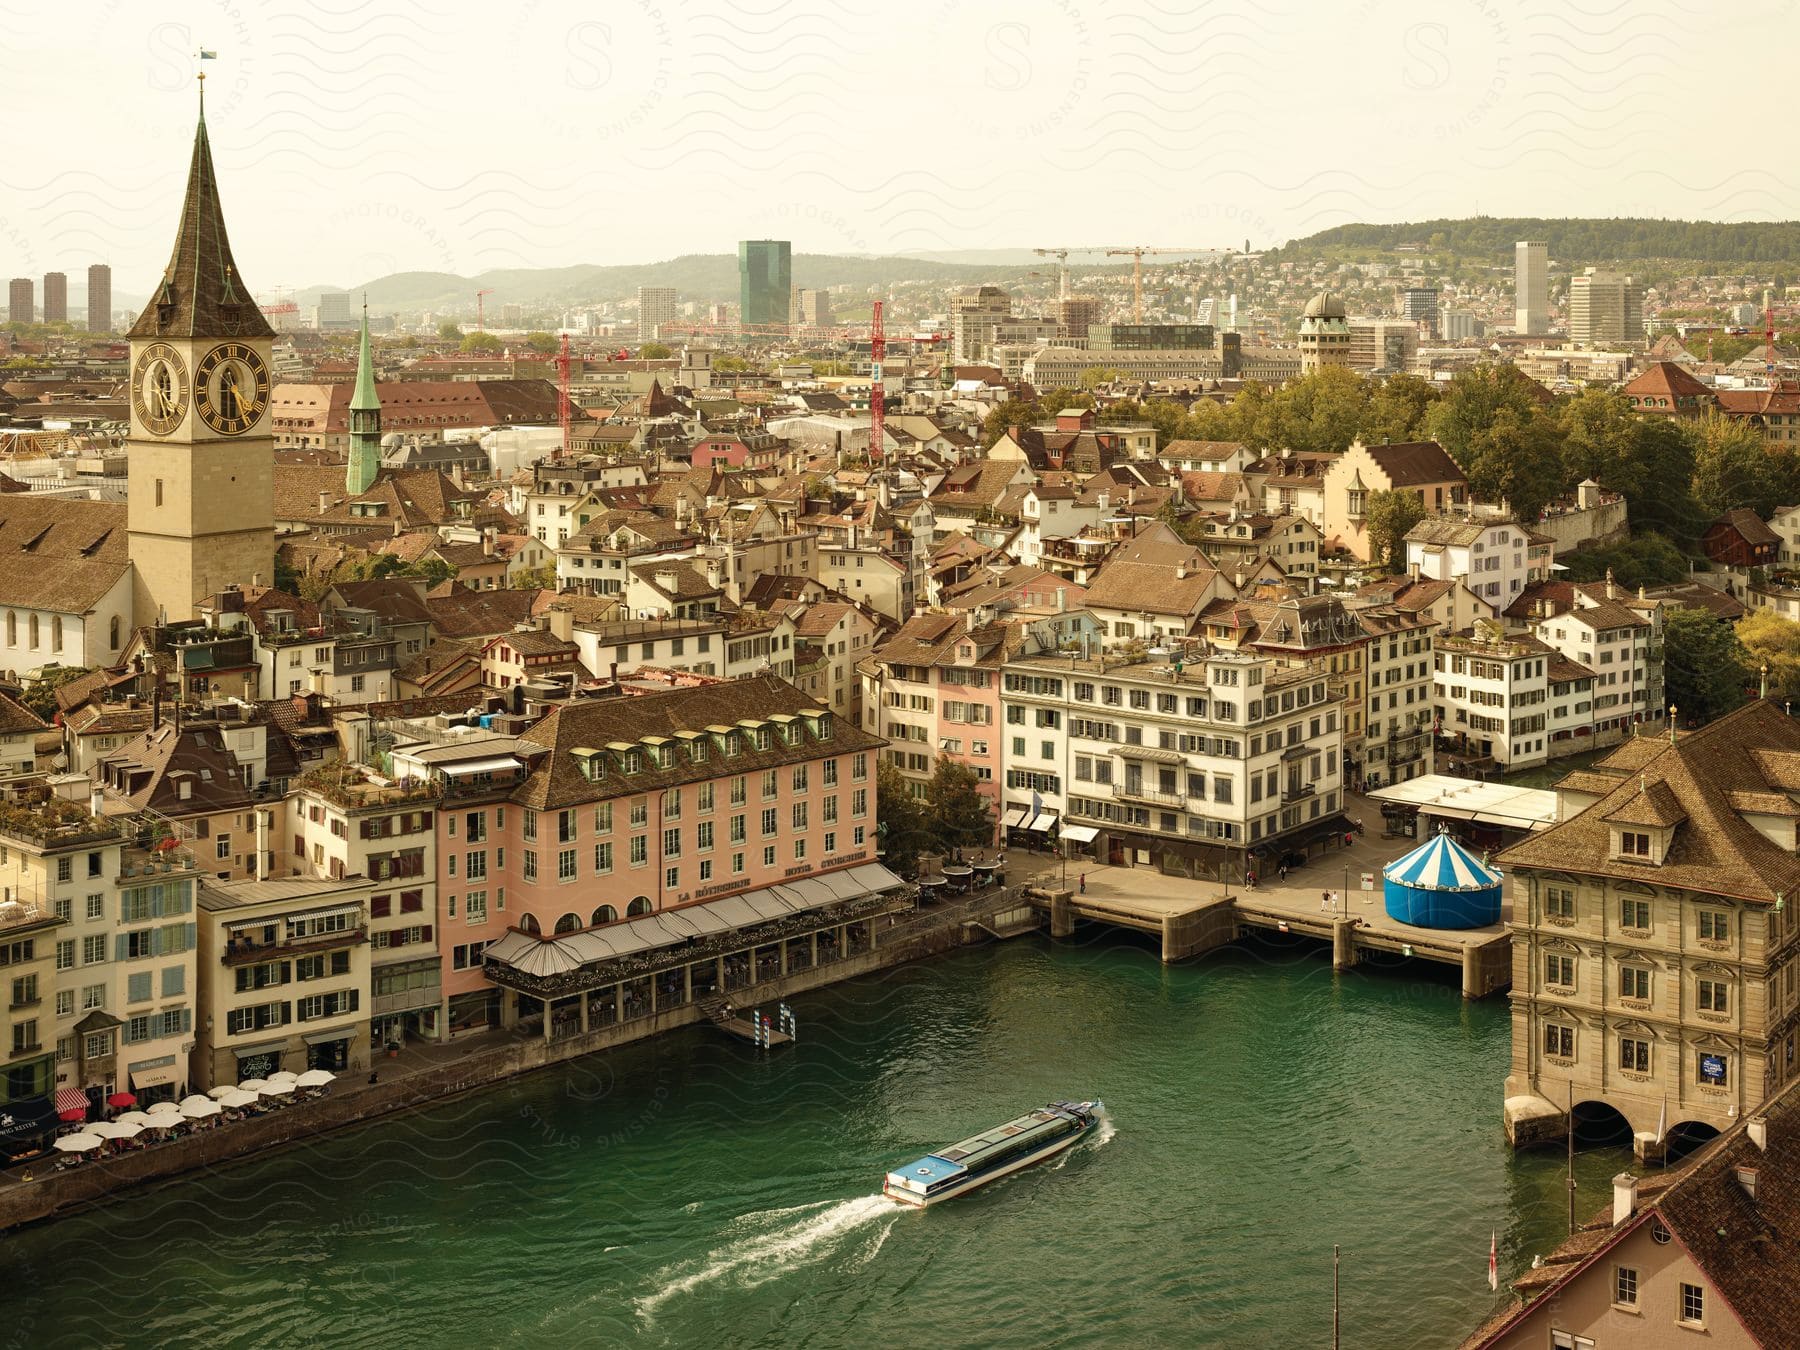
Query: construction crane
pixel 481 309
pixel 1768 338
pixel 562 394
pixel 877 388
pixel 1062 265
pixel 1137 272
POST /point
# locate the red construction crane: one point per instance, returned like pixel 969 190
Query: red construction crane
pixel 1768 337
pixel 562 393
pixel 877 394
pixel 481 309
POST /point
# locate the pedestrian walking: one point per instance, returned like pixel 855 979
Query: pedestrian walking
pixel 1281 871
pixel 1083 880
pixel 1324 901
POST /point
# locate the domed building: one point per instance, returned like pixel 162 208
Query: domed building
pixel 1324 333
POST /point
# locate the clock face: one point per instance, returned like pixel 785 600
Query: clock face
pixel 159 388
pixel 231 388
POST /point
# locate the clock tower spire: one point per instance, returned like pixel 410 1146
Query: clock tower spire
pixel 201 457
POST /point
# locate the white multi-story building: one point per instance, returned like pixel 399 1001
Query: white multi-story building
pixel 1185 763
pixel 1497 558
pixel 1605 310
pixel 1402 704
pixel 1531 288
pixel 1621 647
pixel 1492 695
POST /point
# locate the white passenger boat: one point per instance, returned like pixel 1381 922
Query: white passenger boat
pixel 988 1156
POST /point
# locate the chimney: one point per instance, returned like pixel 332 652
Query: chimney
pixel 96 801
pixel 1624 1198
pixel 1757 1127
pixel 1746 1177
pixel 399 529
pixel 666 580
pixel 1412 569
pixel 324 501
pixel 562 622
pixel 1612 590
pixel 487 541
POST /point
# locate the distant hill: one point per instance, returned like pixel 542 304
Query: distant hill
pixel 697 276
pixel 1761 245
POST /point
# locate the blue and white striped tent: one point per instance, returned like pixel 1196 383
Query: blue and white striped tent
pixel 1440 884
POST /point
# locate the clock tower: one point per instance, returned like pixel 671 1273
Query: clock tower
pixel 201 457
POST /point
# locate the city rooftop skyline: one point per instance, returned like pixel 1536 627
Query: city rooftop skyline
pixel 361 143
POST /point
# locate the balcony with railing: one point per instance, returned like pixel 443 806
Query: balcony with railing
pixel 1297 792
pixel 1137 792
pixel 243 952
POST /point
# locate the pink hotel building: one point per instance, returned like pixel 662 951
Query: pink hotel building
pixel 625 856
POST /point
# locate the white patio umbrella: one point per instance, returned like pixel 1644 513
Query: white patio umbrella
pixel 141 1118
pixel 234 1099
pixel 78 1143
pixel 217 1092
pixel 115 1129
pixel 315 1078
pixel 284 1076
pixel 274 1089
pixel 198 1108
pixel 165 1109
pixel 195 1100
pixel 253 1084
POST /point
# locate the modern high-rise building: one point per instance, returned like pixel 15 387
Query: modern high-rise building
pixel 1605 310
pixel 19 305
pixel 1143 337
pixel 1531 288
pixel 973 317
pixel 99 298
pixel 333 310
pixel 56 297
pixel 656 307
pixel 765 282
pixel 1420 304
pixel 813 309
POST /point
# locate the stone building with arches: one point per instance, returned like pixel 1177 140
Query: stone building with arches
pixel 1656 944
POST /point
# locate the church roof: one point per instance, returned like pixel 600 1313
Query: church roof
pixel 201 293
pixel 364 398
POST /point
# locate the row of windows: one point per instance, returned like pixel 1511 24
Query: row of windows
pixel 1712 1068
pixel 1635 982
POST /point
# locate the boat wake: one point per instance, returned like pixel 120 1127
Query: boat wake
pixel 775 1242
pixel 1104 1135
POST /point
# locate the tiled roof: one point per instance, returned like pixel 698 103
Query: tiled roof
pixel 60 555
pixel 593 723
pixel 1668 379
pixel 1713 849
pixel 1411 463
pixel 463 613
pixel 1750 525
pixel 16 717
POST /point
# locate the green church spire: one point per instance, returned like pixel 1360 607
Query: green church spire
pixel 365 419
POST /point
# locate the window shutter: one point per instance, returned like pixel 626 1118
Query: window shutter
pixel 426 933
pixel 354 999
pixel 193 936
pixel 120 947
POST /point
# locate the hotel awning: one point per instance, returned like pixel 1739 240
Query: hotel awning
pixel 21 1120
pixel 1015 816
pixel 1043 822
pixel 260 1048
pixel 544 957
pixel 1081 834
pixel 327 1037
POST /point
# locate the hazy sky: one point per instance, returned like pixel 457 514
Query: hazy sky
pixel 354 139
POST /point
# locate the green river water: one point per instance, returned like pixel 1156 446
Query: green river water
pixel 692 1192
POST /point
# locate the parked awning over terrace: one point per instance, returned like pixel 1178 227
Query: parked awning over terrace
pixel 543 957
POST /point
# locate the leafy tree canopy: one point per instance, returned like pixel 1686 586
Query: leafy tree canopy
pixel 1704 665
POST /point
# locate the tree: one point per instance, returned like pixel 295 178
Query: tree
pixel 1388 516
pixel 1094 376
pixel 655 351
pixel 1773 642
pixel 730 365
pixel 1319 413
pixel 1397 410
pixel 542 343
pixel 534 578
pixel 40 694
pixel 1492 424
pixel 484 343
pixel 960 817
pixel 450 330
pixel 1647 560
pixel 1014 412
pixel 1703 665
pixel 1050 404
pixel 901 820
pixel 1733 468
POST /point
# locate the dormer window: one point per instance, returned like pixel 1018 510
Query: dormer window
pixel 1633 844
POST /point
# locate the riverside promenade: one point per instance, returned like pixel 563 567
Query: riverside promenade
pixel 1325 899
